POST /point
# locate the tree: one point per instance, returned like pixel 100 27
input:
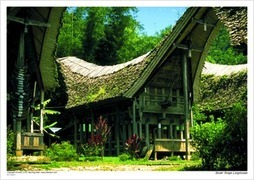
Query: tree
pixel 222 52
pixel 118 19
pixel 70 36
pixel 104 35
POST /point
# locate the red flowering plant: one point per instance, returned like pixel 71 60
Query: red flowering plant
pixel 132 145
pixel 99 136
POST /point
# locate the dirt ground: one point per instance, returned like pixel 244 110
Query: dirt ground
pixel 33 167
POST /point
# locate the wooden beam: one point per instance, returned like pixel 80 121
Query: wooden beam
pixel 27 21
pixel 186 103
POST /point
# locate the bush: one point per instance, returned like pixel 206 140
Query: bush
pixel 10 141
pixel 222 144
pixel 205 139
pixel 125 157
pixel 234 140
pixel 61 152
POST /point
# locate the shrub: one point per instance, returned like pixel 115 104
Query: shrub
pixel 10 141
pixel 61 152
pixel 205 140
pixel 234 141
pixel 222 144
pixel 125 157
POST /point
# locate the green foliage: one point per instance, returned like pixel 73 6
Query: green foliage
pixel 10 141
pixel 125 157
pixel 104 35
pixel 64 151
pixel 205 139
pixel 221 52
pixel 132 145
pixel 222 144
pixel 234 140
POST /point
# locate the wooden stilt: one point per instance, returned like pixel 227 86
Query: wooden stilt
pixel 134 122
pixel 186 103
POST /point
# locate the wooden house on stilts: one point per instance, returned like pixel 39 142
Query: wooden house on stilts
pixel 150 96
pixel 31 70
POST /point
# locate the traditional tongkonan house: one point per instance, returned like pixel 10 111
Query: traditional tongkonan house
pixel 31 70
pixel 150 96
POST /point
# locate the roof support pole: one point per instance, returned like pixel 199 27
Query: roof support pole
pixel 134 122
pixel 117 132
pixel 186 103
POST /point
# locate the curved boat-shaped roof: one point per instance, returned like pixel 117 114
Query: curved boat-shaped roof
pixel 88 83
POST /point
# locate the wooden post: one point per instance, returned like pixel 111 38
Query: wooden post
pixel 134 122
pixel 92 123
pixel 75 130
pixel 186 103
pixel 147 134
pixel 41 111
pixel 124 132
pixel 81 135
pixel 19 152
pixel 117 132
pixel 140 125
pixel 171 131
pixel 159 130
pixel 31 115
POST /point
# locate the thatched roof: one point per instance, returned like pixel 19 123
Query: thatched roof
pixel 221 70
pixel 236 20
pixel 88 83
pixel 46 23
pixel 222 85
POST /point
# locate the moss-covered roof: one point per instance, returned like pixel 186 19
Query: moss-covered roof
pixel 85 89
pixel 220 91
pixel 236 20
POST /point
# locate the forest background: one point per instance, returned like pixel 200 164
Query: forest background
pixel 113 35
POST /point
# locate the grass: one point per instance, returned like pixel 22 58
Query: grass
pixel 113 163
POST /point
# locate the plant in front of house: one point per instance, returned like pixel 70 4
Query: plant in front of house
pixel 63 151
pixel 96 142
pixel 132 145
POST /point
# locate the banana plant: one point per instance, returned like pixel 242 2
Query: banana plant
pixel 46 112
